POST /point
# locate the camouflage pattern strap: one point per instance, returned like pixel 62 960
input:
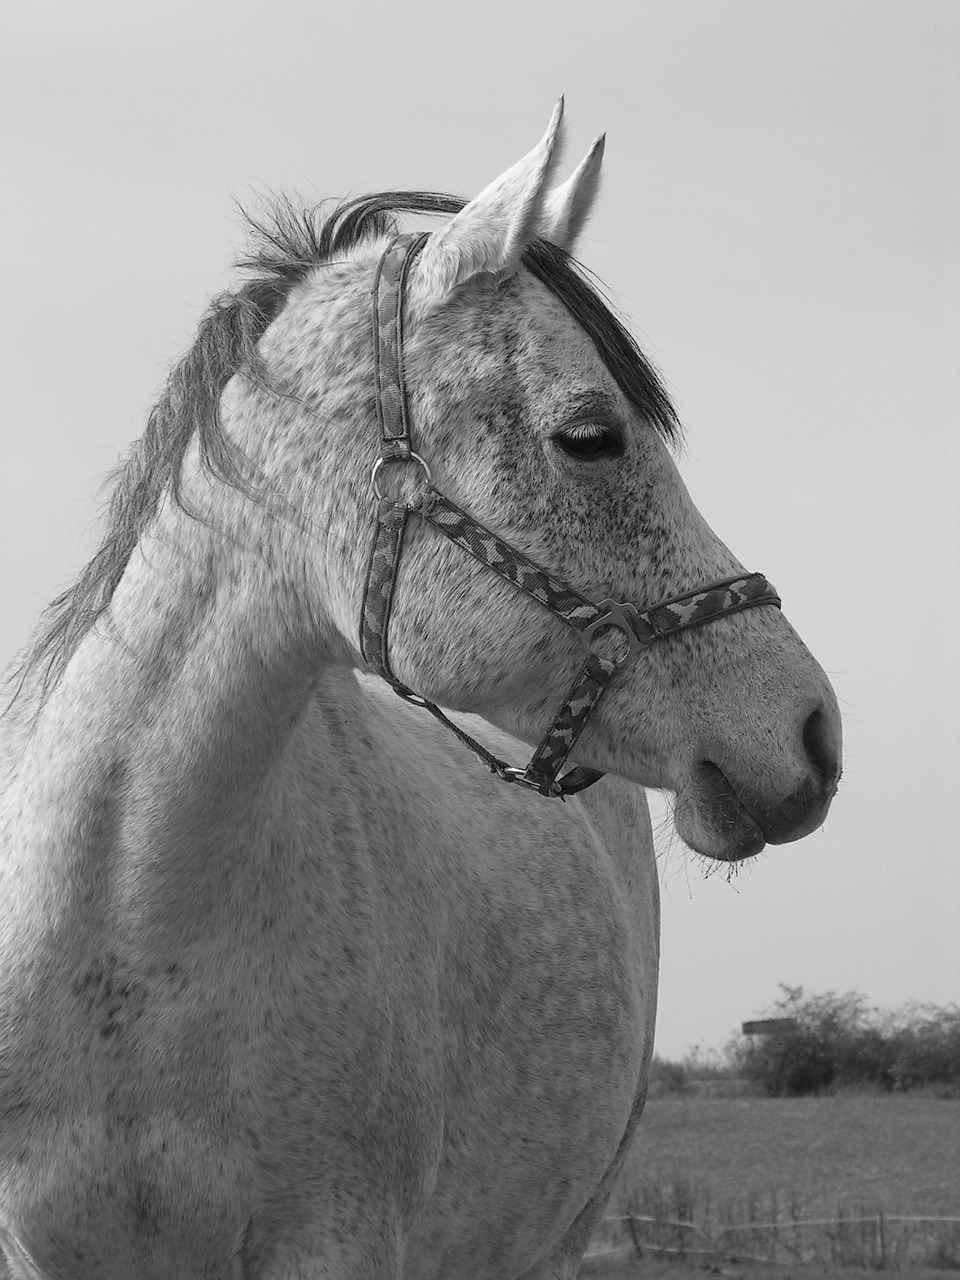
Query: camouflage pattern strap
pixel 554 750
pixel 379 586
pixel 693 609
pixel 495 554
pixel 393 427
pixel 680 613
pixel 696 608
pixel 380 583
pixel 388 283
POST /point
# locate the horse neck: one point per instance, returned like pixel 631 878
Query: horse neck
pixel 164 742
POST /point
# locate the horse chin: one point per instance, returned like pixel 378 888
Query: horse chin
pixel 727 845
pixel 713 821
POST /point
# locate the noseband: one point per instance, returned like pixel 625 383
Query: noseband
pixel 638 630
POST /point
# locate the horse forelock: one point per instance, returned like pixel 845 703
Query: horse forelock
pixel 288 241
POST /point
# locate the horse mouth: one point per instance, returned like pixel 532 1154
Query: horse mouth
pixel 713 820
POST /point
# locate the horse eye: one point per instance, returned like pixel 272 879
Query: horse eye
pixel 589 441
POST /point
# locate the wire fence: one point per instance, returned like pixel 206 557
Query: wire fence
pixel 880 1240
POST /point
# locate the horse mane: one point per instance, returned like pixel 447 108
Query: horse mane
pixel 287 243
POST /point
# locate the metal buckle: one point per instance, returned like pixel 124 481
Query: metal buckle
pixel 520 778
pixel 622 616
pixel 410 457
pixel 415 699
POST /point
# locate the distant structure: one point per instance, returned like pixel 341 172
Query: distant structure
pixel 769 1026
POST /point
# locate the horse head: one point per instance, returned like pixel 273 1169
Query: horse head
pixel 534 412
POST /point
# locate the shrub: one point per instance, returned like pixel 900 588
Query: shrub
pixel 829 1041
pixel 925 1043
pixel 668 1078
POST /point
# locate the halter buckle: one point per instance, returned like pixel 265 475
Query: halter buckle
pixel 626 619
pixel 521 778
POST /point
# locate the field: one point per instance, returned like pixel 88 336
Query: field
pixel 815 1184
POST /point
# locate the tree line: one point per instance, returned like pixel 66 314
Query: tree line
pixel 820 1043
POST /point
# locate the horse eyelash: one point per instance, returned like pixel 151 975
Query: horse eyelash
pixel 589 441
pixel 584 430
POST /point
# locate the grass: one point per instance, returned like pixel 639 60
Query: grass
pixel 861 1181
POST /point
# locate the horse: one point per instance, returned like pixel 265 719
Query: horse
pixel 292 985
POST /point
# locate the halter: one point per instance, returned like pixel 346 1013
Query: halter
pixel 638 630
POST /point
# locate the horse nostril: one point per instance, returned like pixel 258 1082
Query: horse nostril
pixel 821 747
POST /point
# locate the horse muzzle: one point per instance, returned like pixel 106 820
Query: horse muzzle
pixel 723 815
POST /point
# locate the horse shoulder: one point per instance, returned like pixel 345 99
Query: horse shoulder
pixel 543 920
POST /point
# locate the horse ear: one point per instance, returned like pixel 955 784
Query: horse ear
pixel 491 232
pixel 568 207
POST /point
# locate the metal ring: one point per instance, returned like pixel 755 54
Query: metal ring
pixel 410 457
pixel 620 617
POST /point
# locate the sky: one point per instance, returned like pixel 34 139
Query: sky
pixel 778 222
